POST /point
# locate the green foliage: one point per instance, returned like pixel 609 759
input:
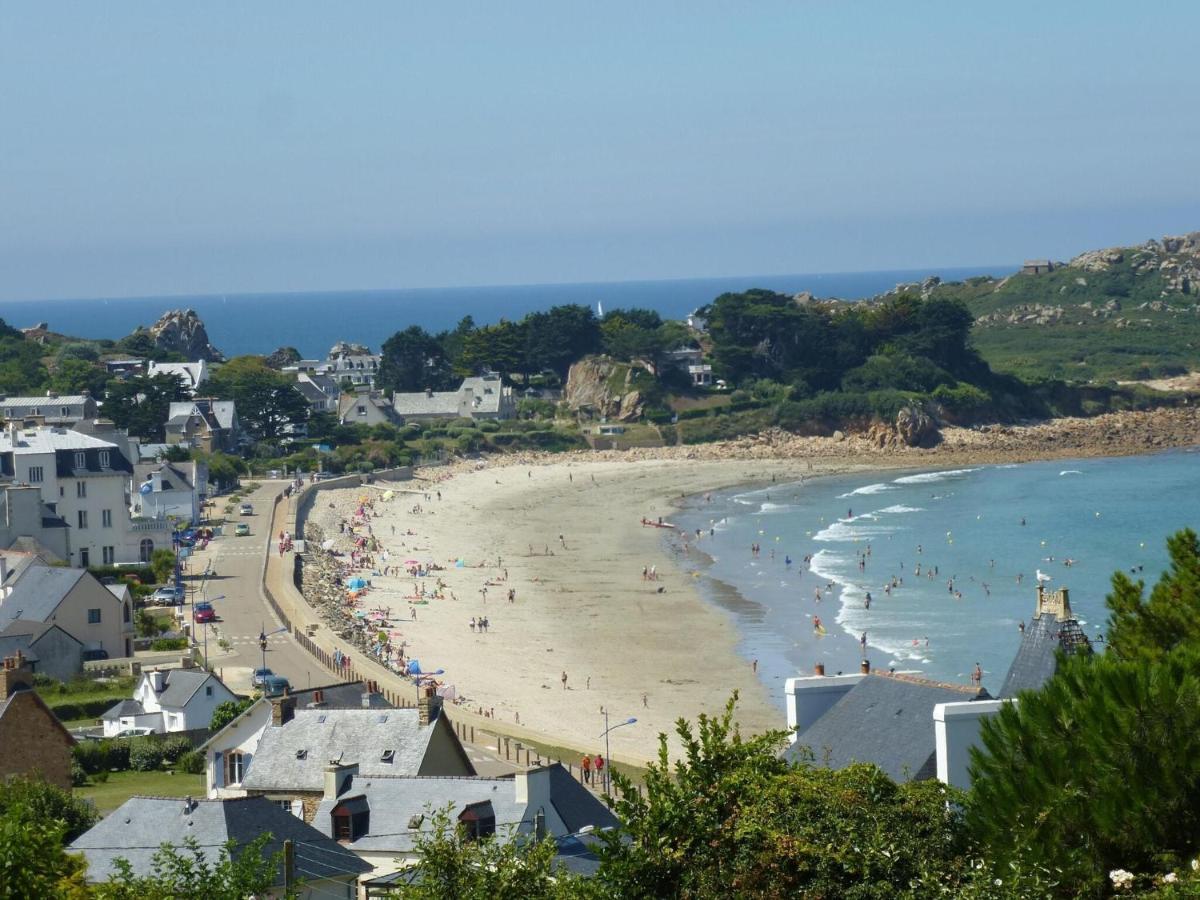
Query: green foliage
pixel 1150 629
pixel 163 644
pixel 101 756
pixel 21 369
pixel 224 469
pixel 228 711
pixel 145 754
pixel 191 763
pixel 239 871
pixel 162 563
pixel 413 360
pixel 454 865
pixel 33 862
pixel 148 625
pixel 267 401
pixel 141 403
pixel 38 800
pixel 173 749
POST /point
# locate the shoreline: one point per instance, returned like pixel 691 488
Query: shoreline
pixel 583 607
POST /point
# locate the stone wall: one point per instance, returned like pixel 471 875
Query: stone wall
pixel 33 742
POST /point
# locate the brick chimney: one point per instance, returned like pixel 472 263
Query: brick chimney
pixel 819 669
pixel 282 710
pixel 428 706
pixel 865 667
pixel 15 674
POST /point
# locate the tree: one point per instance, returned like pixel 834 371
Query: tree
pixel 1140 628
pixel 162 563
pixel 38 800
pixel 1095 771
pixel 454 865
pixel 33 862
pixel 558 337
pixel 227 711
pixel 74 376
pixel 142 403
pixel 21 369
pixel 413 360
pixel 268 402
pixel 224 469
pixel 239 871
pixel 731 818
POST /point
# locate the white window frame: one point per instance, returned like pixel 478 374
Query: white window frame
pixel 82 519
pixel 36 474
pixel 106 518
pixel 105 459
pixel 81 489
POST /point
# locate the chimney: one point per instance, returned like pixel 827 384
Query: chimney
pixel 533 786
pixel 282 709
pixel 188 805
pixel 318 697
pixel 338 778
pixel 428 392
pixel 428 706
pixel 539 825
pixel 819 669
pixel 865 667
pixel 15 674
pixel 157 681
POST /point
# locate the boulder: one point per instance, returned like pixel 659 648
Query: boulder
pixel 606 388
pixel 916 428
pixel 181 331
pixel 284 356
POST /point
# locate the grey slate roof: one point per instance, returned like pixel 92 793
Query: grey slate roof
pixel 181 685
pixel 38 592
pixel 886 720
pixel 351 735
pixel 1037 657
pixel 347 695
pixel 142 824
pixel 576 805
pixel 126 707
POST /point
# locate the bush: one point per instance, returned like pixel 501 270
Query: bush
pixel 145 755
pixel 169 644
pixel 99 757
pixel 191 763
pixel 79 777
pixel 84 709
pixel 174 749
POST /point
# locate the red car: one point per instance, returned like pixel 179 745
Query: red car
pixel 204 613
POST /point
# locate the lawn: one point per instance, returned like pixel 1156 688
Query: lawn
pixel 123 785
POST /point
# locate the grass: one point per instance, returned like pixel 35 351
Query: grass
pixel 123 785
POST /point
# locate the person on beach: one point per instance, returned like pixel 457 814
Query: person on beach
pixel 645 701
pixel 977 675
pixel 585 766
pixel 862 642
pixel 564 680
pixel 599 767
pixel 472 624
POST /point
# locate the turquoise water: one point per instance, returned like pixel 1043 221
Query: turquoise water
pixel 312 322
pixel 1100 514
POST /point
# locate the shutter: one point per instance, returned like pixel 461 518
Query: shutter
pixel 218 769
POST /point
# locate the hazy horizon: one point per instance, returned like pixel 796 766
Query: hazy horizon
pixel 158 150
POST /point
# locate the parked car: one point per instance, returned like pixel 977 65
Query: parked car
pixel 246 509
pixel 273 685
pixel 167 596
pixel 204 612
pixel 259 679
pixel 93 655
pixel 134 732
pixel 241 530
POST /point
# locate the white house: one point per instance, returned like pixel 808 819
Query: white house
pixel 478 397
pixel 192 374
pixel 165 490
pixel 174 700
pixel 84 479
pixel 353 363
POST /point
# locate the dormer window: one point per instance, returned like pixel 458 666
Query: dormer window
pixel 104 459
pixel 80 459
pixel 301 754
pixel 478 820
pixel 388 756
pixel 351 819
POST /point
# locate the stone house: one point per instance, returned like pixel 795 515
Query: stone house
pixel 32 741
pixel 204 424
pixel 1037 267
pixel 365 406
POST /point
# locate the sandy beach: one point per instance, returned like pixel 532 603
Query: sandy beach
pixel 651 649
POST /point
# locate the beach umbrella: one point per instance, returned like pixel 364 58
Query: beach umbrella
pixel 356 583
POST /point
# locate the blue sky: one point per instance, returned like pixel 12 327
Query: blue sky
pixel 154 148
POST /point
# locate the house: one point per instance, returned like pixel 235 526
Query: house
pixel 65 411
pixel 191 374
pixel 364 406
pixel 165 490
pixel 231 748
pixel 136 829
pixel 46 648
pixel 381 818
pixel 84 479
pixel 353 364
pixel 286 762
pixel 1037 267
pixel 204 423
pixel 321 391
pixel 123 368
pixel 701 375
pixel 480 397
pixel 27 522
pixel 72 599
pixel 174 700
pixel 33 743
pixel 883 719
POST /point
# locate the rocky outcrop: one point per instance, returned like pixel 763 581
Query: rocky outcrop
pixel 181 331
pixel 606 388
pixel 916 428
pixel 284 356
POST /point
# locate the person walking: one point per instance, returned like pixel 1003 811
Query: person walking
pixel 585 766
pixel 599 767
pixel 564 680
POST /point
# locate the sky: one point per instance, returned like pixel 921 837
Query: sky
pixel 169 148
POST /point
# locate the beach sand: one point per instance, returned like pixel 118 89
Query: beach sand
pixel 584 609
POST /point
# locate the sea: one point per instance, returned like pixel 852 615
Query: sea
pixel 965 547
pixel 241 323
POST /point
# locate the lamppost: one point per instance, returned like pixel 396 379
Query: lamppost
pixel 417 680
pixel 607 754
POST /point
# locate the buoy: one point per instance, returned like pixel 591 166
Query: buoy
pixel 1097 515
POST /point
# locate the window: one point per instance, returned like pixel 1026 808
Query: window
pixel 125 614
pixel 145 550
pixel 35 474
pixel 478 820
pixel 81 489
pixel 236 764
pixel 80 459
pixel 208 690
pixel 109 554
pixel 93 617
pixel 64 410
pixel 388 756
pixel 104 459
pixel 106 518
pixel 83 518
pixel 351 819
pixel 84 557
pixel 362 410
pixel 36 411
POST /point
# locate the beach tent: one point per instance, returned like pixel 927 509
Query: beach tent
pixel 356 583
pixel 414 667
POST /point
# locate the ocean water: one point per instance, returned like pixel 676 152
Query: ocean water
pixel 965 525
pixel 313 322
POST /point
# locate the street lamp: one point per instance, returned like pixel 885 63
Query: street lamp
pixel 607 754
pixel 419 675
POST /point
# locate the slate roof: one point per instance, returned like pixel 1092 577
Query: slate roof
pixel 181 685
pixel 222 411
pixel 38 592
pixel 351 735
pixel 142 824
pixel 487 393
pixel 173 478
pixel 193 373
pixel 576 805
pixel 126 707
pixel 347 695
pixel 1037 657
pixel 886 720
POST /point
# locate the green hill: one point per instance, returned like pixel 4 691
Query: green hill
pixel 1117 314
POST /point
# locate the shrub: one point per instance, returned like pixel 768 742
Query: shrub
pixel 145 755
pixel 99 757
pixel 79 777
pixel 191 763
pixel 169 644
pixel 174 749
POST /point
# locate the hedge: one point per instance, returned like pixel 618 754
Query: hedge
pixel 82 709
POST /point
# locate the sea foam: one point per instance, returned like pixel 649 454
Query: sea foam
pixel 929 477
